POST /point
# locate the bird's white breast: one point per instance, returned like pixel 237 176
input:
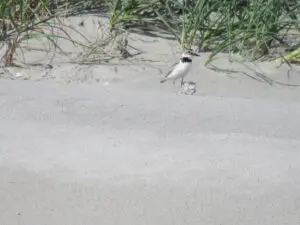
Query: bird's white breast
pixel 181 70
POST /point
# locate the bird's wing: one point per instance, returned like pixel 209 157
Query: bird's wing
pixel 171 69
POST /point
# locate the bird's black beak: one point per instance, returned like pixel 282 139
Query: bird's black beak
pixel 194 54
pixel 191 52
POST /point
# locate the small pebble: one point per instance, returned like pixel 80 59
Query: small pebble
pixel 18 74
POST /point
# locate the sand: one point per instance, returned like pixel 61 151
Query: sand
pixel 109 144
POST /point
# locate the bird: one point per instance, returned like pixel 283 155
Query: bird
pixel 180 69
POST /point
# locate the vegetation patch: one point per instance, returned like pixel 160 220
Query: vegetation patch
pixel 256 29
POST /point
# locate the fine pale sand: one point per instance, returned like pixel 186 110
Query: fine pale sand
pixel 108 144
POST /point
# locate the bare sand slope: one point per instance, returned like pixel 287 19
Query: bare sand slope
pixel 95 154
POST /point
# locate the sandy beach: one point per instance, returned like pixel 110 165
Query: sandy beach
pixel 108 144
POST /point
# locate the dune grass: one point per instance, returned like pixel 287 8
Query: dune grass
pixel 243 26
pixel 24 20
pixel 20 20
pixel 253 28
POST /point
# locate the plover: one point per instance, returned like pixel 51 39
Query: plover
pixel 180 69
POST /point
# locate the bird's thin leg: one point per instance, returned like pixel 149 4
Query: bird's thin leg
pixel 173 84
pixel 181 82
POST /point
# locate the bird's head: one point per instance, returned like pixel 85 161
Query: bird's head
pixel 186 55
pixel 189 54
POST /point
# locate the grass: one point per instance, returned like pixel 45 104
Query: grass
pixel 233 26
pixel 39 20
pixel 253 28
pixel 19 19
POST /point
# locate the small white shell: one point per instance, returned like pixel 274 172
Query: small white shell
pixel 189 88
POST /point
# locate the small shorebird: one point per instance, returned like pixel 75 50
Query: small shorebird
pixel 180 69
